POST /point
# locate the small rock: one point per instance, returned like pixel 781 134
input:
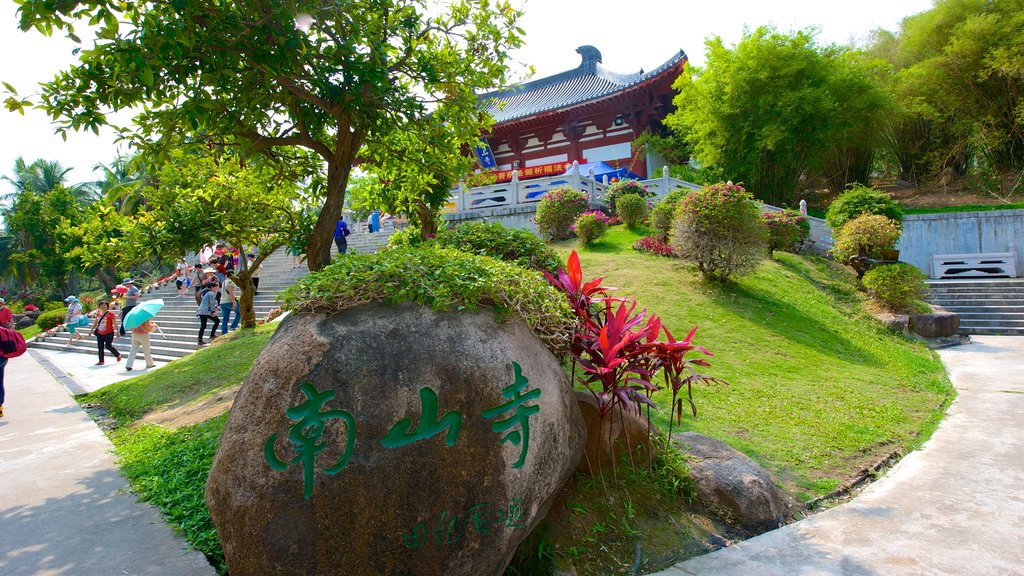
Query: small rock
pixel 935 324
pixel 897 322
pixel 21 321
pixel 622 435
pixel 729 480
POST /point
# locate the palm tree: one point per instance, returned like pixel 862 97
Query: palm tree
pixel 123 183
pixel 43 176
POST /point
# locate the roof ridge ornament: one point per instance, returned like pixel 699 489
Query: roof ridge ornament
pixel 591 55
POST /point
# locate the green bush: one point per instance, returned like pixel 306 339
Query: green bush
pixel 787 230
pixel 866 236
pixel 858 200
pixel 720 229
pixel 50 305
pixel 509 244
pixel 665 210
pixel 895 286
pixel 557 211
pixel 50 318
pixel 632 209
pixel 441 278
pixel 589 227
pixel 624 188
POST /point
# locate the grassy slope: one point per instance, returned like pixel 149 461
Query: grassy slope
pixel 30 331
pixel 817 388
pixel 198 375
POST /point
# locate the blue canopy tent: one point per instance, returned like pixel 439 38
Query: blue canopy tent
pixel 601 170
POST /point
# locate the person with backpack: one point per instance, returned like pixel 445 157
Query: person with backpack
pixel 12 345
pixel 105 329
pixel 73 320
pixel 207 311
pixel 131 300
pixel 340 232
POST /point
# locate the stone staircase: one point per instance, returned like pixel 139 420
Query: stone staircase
pixel 985 306
pixel 178 318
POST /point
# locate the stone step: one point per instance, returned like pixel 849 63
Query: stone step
pixel 947 302
pixel 992 309
pixel 999 316
pixel 978 290
pixel 159 353
pixel 993 331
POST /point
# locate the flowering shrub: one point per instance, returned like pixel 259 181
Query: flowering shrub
pixel 632 209
pixel 720 229
pixel 624 188
pixel 656 245
pixel 665 211
pixel 787 230
pixel 858 200
pixel 557 211
pixel 590 226
pixel 895 286
pixel 31 308
pixel 865 236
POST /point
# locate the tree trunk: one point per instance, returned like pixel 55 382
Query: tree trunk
pixel 244 281
pixel 427 220
pixel 318 246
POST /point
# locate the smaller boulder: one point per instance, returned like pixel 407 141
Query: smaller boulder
pixel 621 436
pixel 21 322
pixel 935 324
pixel 730 481
pixel 33 314
pixel 896 322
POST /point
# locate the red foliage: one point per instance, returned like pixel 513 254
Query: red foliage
pixel 619 350
pixel 656 245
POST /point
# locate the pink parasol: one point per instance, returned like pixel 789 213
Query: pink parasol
pixel 119 289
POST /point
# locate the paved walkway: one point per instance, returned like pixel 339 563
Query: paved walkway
pixel 64 509
pixel 954 507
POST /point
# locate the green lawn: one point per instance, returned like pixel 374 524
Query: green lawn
pixel 30 331
pixel 817 388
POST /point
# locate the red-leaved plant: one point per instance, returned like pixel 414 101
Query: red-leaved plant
pixel 619 350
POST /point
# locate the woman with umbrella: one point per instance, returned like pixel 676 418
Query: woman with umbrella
pixel 138 320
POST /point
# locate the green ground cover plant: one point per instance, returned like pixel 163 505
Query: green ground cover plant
pixel 817 389
pixel 497 241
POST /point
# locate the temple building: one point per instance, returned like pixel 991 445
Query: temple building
pixel 588 114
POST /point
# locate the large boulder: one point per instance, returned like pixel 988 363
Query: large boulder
pixel 730 481
pixel 392 440
pixel 621 436
pixel 935 325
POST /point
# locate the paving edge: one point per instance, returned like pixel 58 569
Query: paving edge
pixel 73 387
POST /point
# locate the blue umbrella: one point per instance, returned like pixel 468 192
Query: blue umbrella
pixel 144 311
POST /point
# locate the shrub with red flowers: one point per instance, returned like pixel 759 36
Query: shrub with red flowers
pixel 557 211
pixel 625 188
pixel 657 245
pixel 31 308
pixel 619 352
pixel 720 229
pixel 787 230
pixel 590 226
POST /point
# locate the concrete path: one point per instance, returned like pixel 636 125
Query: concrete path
pixel 954 507
pixel 64 508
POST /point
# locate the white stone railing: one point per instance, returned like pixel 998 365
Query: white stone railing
pixel 517 192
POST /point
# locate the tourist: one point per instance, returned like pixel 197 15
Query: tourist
pixel 375 220
pixel 197 280
pixel 104 329
pixel 73 319
pixel 181 277
pixel 6 316
pixel 340 232
pixel 296 253
pixel 254 274
pixel 131 299
pixel 140 339
pixel 207 311
pixel 229 304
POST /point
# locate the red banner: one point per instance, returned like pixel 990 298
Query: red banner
pixel 553 169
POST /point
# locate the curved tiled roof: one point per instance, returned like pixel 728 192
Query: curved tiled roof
pixel 590 81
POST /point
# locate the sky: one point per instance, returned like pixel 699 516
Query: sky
pixel 631 35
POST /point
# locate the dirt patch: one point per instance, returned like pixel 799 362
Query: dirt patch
pixel 195 412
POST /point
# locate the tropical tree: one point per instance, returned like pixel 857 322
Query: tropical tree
pixel 39 250
pixel 328 77
pixel 254 206
pixel 123 181
pixel 768 110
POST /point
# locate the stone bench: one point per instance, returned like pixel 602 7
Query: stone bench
pixel 992 264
